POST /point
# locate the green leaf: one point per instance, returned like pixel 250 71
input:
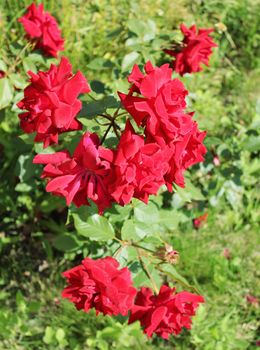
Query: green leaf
pixel 23 187
pixel 170 271
pixel 3 66
pixel 29 65
pixel 134 231
pixel 65 243
pixel 28 138
pixel 6 92
pixel 150 30
pixel 91 109
pixel 145 31
pixel 25 168
pixel 18 81
pixel 252 144
pixel 97 86
pixel 190 192
pixel 20 301
pixel 49 335
pixel 147 213
pixel 100 63
pixel 171 218
pixel 129 60
pixel 60 335
pixel 211 141
pixel 95 227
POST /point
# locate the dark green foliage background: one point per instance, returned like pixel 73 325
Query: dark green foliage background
pixel 103 39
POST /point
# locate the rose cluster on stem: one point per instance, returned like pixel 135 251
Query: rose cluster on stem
pixel 159 142
pixel 140 164
pixel 101 285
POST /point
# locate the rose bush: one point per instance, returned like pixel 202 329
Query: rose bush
pixel 168 142
pixel 155 140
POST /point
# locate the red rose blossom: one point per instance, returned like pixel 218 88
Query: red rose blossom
pixel 196 50
pixel 79 177
pixel 200 220
pixel 157 103
pixel 166 313
pixel 42 29
pixel 160 108
pixel 138 168
pixel 101 285
pixel 52 103
pixel 187 151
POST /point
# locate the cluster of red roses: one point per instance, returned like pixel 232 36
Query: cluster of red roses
pixel 140 165
pixel 101 285
pixel 170 143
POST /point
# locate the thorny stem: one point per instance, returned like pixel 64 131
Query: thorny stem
pixel 123 113
pixel 107 116
pixel 144 248
pixel 147 272
pixel 92 98
pixel 105 134
pixel 18 60
pixel 147 253
pixel 118 250
pixel 112 124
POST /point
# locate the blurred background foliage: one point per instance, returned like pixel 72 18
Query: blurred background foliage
pixel 104 39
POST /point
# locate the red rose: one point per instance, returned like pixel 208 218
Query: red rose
pixel 199 221
pixel 166 313
pixel 160 108
pixel 101 285
pixel 186 152
pixel 80 177
pixel 196 50
pixel 52 103
pixel 42 29
pixel 138 168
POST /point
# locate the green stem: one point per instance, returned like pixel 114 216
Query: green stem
pixel 18 60
pixel 146 271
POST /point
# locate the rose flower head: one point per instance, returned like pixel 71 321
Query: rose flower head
pixel 101 285
pixel 80 177
pixel 186 151
pixel 42 29
pixel 158 103
pixel 166 313
pixel 51 102
pixel 138 168
pixel 196 50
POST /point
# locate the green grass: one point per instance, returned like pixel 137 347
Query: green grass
pixel 225 97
